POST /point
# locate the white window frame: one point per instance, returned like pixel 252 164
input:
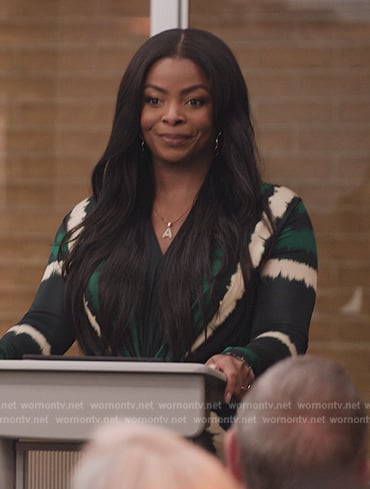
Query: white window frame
pixel 168 14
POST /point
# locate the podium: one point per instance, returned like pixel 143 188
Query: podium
pixel 48 408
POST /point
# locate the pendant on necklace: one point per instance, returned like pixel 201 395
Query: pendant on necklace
pixel 168 232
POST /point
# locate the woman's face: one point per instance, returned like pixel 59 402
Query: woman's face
pixel 177 114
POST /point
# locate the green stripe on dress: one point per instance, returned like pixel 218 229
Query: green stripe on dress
pixel 291 239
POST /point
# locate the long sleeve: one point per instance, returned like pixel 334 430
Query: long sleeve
pixel 44 329
pixel 286 288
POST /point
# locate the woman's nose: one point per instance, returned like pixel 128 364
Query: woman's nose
pixel 173 114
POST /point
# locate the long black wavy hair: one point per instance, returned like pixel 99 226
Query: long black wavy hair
pixel 116 234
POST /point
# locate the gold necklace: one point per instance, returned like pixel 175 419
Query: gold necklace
pixel 168 231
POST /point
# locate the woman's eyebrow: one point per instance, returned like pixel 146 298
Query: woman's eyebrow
pixel 187 90
pixel 155 87
pixel 184 91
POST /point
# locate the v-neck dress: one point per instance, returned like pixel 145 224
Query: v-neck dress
pixel 262 324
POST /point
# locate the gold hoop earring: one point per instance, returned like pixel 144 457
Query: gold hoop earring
pixel 217 143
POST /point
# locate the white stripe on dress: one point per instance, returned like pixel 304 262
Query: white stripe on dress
pixel 235 291
pixel 34 334
pixel 77 215
pixel 53 268
pixel 282 337
pixel 290 270
pixel 92 319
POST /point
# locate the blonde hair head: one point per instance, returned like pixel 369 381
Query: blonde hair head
pixel 126 456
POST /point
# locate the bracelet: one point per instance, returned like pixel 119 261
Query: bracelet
pixel 238 357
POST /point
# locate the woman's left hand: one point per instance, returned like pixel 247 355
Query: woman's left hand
pixel 239 375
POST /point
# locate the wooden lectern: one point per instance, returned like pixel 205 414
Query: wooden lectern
pixel 50 407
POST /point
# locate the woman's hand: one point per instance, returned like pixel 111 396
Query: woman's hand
pixel 239 375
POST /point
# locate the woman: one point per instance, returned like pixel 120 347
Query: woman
pixel 182 253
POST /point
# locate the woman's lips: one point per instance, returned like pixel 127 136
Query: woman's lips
pixel 174 139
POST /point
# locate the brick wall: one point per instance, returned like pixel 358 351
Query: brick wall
pixel 60 66
pixel 307 65
pixel 308 72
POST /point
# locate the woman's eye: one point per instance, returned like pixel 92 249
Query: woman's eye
pixel 152 100
pixel 195 102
